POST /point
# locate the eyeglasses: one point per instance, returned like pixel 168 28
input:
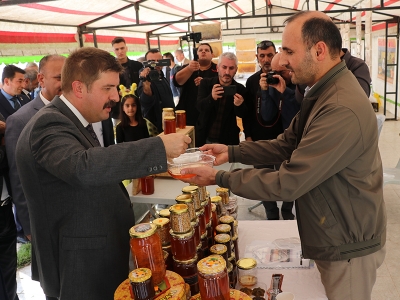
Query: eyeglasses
pixel 265 44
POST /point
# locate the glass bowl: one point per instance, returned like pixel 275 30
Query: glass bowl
pixel 193 157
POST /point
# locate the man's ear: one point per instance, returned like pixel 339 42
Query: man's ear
pixel 78 88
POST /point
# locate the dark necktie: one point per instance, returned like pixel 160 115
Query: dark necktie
pixel 16 103
pixel 93 134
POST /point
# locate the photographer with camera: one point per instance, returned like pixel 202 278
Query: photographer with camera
pixel 154 90
pixel 220 100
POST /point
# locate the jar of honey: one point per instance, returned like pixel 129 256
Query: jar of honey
pixel 232 274
pixel 224 239
pixel 164 213
pixel 220 250
pixel 187 199
pixel 223 228
pixel 196 227
pixel 235 241
pixel 202 220
pixel 167 111
pixel 229 220
pixel 206 204
pixel 204 245
pixel 224 194
pixel 169 125
pixel 193 190
pixel 169 261
pixel 180 219
pixel 247 272
pixel 182 245
pixel 202 192
pixel 217 200
pixel 188 270
pixel 147 185
pixel 199 251
pixel 210 236
pixel 163 228
pixel 147 251
pixel 180 119
pixel 213 278
pixel 214 218
pixel 142 284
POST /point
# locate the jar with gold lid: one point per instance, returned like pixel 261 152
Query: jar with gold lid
pixel 188 270
pixel 214 218
pixel 202 191
pixel 202 220
pixel 167 111
pixel 229 220
pixel 163 227
pixel 196 227
pixel 169 262
pixel 193 190
pixel 224 239
pixel 223 193
pixel 217 200
pixel 142 284
pixel 169 125
pixel 147 251
pixel 223 228
pixel 206 204
pixel 220 250
pixel 180 218
pixel 187 199
pixel 182 245
pixel 164 213
pixel 180 119
pixel 247 272
pixel 213 278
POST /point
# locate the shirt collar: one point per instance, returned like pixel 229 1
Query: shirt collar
pixel 44 100
pixel 75 111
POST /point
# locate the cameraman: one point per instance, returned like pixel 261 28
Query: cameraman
pixel 154 93
pixel 278 104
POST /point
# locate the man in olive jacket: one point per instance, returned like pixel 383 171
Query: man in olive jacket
pixel 330 163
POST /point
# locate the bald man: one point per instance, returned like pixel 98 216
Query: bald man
pixel 330 163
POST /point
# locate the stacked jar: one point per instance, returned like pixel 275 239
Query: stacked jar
pixel 165 213
pixel 229 220
pixel 167 112
pixel 196 193
pixel 183 246
pixel 163 228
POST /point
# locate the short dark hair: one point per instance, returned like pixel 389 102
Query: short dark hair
pixel 264 45
pixel 169 55
pixel 206 44
pixel 9 72
pixel 45 59
pixel 117 40
pixel 154 50
pixel 125 121
pixel 317 29
pixel 86 64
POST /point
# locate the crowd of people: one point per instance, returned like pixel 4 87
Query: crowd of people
pixel 62 166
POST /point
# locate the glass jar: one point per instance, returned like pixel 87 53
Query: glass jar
pixel 196 227
pixel 200 252
pixel 204 245
pixel 147 185
pixel 206 204
pixel 214 218
pixel 247 272
pixel 217 200
pixel 167 111
pixel 202 220
pixel 182 245
pixel 180 219
pixel 236 227
pixel 193 190
pixel 180 119
pixel 232 274
pixel 223 193
pixel 188 270
pixel 220 250
pixel 210 236
pixel 224 239
pixel 187 199
pixel 163 227
pixel 164 213
pixel 213 278
pixel 169 125
pixel 142 284
pixel 229 220
pixel 235 241
pixel 223 228
pixel 202 192
pixel 169 261
pixel 147 251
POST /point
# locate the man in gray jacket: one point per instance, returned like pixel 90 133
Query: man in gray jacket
pixel 330 163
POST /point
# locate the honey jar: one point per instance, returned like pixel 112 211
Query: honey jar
pixel 206 204
pixel 180 219
pixel 235 241
pixel 202 220
pixel 147 251
pixel 180 119
pixel 232 274
pixel 247 272
pixel 187 199
pixel 193 190
pixel 167 111
pixel 214 218
pixel 188 270
pixel 224 239
pixel 196 227
pixel 223 228
pixel 182 245
pixel 210 236
pixel 169 261
pixel 199 251
pixel 142 284
pixel 220 250
pixel 202 192
pixel 229 220
pixel 213 278
pixel 217 200
pixel 163 228
pixel 224 194
pixel 169 125
pixel 164 213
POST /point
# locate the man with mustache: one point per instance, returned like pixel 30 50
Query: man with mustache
pixel 80 211
pixel 219 108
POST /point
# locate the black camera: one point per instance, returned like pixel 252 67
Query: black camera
pixel 271 79
pixel 154 74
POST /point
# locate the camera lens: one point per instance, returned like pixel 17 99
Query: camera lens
pixel 271 79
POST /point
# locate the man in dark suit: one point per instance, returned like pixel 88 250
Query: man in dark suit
pixel 80 212
pixel 10 94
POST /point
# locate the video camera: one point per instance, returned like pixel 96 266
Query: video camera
pixel 154 74
pixel 271 79
pixel 196 38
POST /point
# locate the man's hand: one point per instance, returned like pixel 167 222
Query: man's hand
pixel 193 66
pixel 146 84
pixel 281 86
pixel 237 99
pixel 217 91
pixel 197 80
pixel 2 127
pixel 220 152
pixel 263 81
pixel 175 144
pixel 204 175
